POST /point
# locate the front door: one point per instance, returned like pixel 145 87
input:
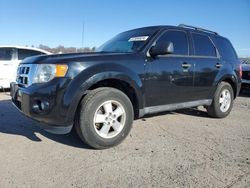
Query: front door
pixel 169 78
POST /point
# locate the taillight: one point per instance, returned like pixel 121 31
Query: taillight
pixel 240 68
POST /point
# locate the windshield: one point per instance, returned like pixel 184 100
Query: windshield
pixel 130 41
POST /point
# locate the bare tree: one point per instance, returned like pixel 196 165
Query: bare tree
pixel 62 49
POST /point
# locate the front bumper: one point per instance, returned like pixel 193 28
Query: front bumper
pixel 44 103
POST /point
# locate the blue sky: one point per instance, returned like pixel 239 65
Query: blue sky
pixel 59 22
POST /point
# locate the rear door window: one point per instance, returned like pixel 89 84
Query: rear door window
pixel 6 54
pixel 23 53
pixel 203 46
pixel 179 40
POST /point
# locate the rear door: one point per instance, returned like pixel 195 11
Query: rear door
pixel 7 66
pixel 207 64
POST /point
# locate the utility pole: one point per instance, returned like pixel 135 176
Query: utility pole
pixel 83 30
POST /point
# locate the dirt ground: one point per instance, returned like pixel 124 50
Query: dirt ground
pixel 178 149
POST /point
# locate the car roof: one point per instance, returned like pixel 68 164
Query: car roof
pixel 25 47
pixel 180 27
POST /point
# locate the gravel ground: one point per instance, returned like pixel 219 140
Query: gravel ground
pixel 178 149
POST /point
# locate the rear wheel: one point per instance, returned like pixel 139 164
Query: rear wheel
pixel 222 102
pixel 105 118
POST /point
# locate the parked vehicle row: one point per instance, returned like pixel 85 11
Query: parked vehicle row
pixel 245 74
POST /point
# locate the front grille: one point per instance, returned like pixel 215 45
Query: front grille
pixel 24 70
pixel 246 75
pixel 24 74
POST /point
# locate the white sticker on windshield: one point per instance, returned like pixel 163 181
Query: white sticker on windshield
pixel 141 38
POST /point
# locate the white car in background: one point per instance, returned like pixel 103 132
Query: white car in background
pixel 10 57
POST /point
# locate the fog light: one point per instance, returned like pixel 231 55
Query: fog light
pixel 40 106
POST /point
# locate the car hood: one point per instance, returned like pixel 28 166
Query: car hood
pixel 75 57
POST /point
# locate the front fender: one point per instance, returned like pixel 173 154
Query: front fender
pixel 88 77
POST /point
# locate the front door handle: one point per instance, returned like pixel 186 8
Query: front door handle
pixel 218 65
pixel 186 65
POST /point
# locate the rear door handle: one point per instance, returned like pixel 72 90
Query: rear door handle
pixel 218 65
pixel 186 65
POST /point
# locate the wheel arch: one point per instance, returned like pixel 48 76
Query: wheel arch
pixel 120 78
pixel 233 85
pixel 231 79
pixel 123 86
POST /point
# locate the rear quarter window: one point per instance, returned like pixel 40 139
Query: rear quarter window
pixel 23 53
pixel 6 54
pixel 203 46
pixel 225 48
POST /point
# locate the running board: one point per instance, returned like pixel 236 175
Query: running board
pixel 172 107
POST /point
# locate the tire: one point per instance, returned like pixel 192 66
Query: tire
pixel 221 105
pixel 104 118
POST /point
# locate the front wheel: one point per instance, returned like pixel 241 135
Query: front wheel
pixel 222 102
pixel 105 118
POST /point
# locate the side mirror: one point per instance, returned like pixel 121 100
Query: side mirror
pixel 162 48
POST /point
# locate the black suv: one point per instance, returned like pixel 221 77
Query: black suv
pixel 138 72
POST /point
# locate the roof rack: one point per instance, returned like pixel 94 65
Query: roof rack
pixel 197 28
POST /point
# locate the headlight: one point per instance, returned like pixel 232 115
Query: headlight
pixel 46 72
